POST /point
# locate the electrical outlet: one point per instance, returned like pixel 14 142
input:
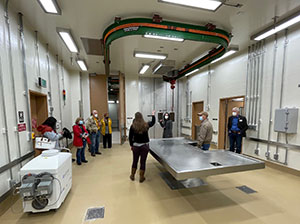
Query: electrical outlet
pixel 276 156
pixel 267 154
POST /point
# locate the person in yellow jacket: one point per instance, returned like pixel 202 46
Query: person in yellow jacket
pixel 106 130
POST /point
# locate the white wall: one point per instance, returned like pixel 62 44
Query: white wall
pixel 70 111
pixel 132 97
pixel 229 79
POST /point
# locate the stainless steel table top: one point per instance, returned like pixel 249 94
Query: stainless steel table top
pixel 185 161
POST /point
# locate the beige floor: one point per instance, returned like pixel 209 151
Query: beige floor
pixel 104 182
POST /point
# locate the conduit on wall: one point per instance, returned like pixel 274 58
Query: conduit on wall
pixel 12 78
pixel 49 83
pixel 25 79
pixel 142 26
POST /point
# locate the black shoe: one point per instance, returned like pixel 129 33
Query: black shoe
pixel 93 154
pixel 84 161
pixel 73 160
pixel 79 164
pixel 98 153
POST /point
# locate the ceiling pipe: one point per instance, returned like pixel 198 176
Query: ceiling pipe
pixel 142 26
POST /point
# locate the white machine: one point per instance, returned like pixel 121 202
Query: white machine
pixel 46 181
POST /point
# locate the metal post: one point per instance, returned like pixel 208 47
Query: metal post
pixel 37 53
pixel 63 78
pixel 282 84
pixel 257 84
pixel 261 91
pixel 12 76
pixel 250 87
pixel 59 91
pixel 208 88
pixel 49 82
pixel 4 130
pixel 254 87
pixel 81 94
pixel 178 110
pixel 247 82
pixel 272 97
pixel 25 77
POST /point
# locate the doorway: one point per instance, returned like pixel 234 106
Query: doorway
pixel 197 108
pixel 38 112
pixel 122 108
pixel 226 106
pixel 98 94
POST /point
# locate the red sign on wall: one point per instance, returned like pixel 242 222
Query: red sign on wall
pixel 21 127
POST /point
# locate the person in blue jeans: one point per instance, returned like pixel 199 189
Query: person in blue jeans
pixel 81 137
pixel 237 127
pixel 206 131
pixel 93 125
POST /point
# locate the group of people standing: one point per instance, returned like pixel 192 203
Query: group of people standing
pixel 138 135
pixel 139 138
pixel 90 134
pixel 237 127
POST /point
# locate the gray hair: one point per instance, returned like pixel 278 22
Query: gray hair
pixel 236 109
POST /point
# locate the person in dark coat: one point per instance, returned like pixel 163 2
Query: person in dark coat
pixel 237 127
pixel 167 125
pixel 139 142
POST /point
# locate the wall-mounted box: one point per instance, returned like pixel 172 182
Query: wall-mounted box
pixel 286 120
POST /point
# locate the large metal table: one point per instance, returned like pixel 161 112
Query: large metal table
pixel 184 161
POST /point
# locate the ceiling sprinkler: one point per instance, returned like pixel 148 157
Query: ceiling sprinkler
pixel 157 18
pixel 117 19
pixel 210 26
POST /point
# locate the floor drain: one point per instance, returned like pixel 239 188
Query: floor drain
pixel 246 189
pixel 94 213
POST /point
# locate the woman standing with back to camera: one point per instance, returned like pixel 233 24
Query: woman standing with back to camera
pixel 139 142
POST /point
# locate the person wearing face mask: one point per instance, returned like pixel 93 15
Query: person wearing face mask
pixel 237 127
pixel 106 130
pixel 48 130
pixel 93 125
pixel 206 131
pixel 81 137
pixel 167 125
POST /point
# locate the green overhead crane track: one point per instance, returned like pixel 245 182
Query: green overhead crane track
pixel 142 26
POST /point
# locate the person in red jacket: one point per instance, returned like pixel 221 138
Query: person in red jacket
pixel 81 137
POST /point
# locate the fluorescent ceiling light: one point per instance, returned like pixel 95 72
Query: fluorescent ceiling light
pixel 238 99
pixel 50 6
pixel 229 52
pixel 211 5
pixel 164 38
pixel 82 65
pixel 281 25
pixel 111 101
pixel 150 55
pixel 192 72
pixel 144 69
pixel 66 36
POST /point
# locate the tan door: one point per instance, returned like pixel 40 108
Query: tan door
pixel 122 110
pixel 99 94
pixel 226 106
pixel 38 112
pixel 197 107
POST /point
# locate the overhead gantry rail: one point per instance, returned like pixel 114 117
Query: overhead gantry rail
pixel 156 26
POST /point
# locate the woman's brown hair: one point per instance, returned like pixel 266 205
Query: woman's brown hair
pixel 139 125
pixel 78 119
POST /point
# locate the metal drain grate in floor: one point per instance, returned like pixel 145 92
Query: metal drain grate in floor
pixel 246 189
pixel 94 213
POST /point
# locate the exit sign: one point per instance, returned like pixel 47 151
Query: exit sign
pixel 42 82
